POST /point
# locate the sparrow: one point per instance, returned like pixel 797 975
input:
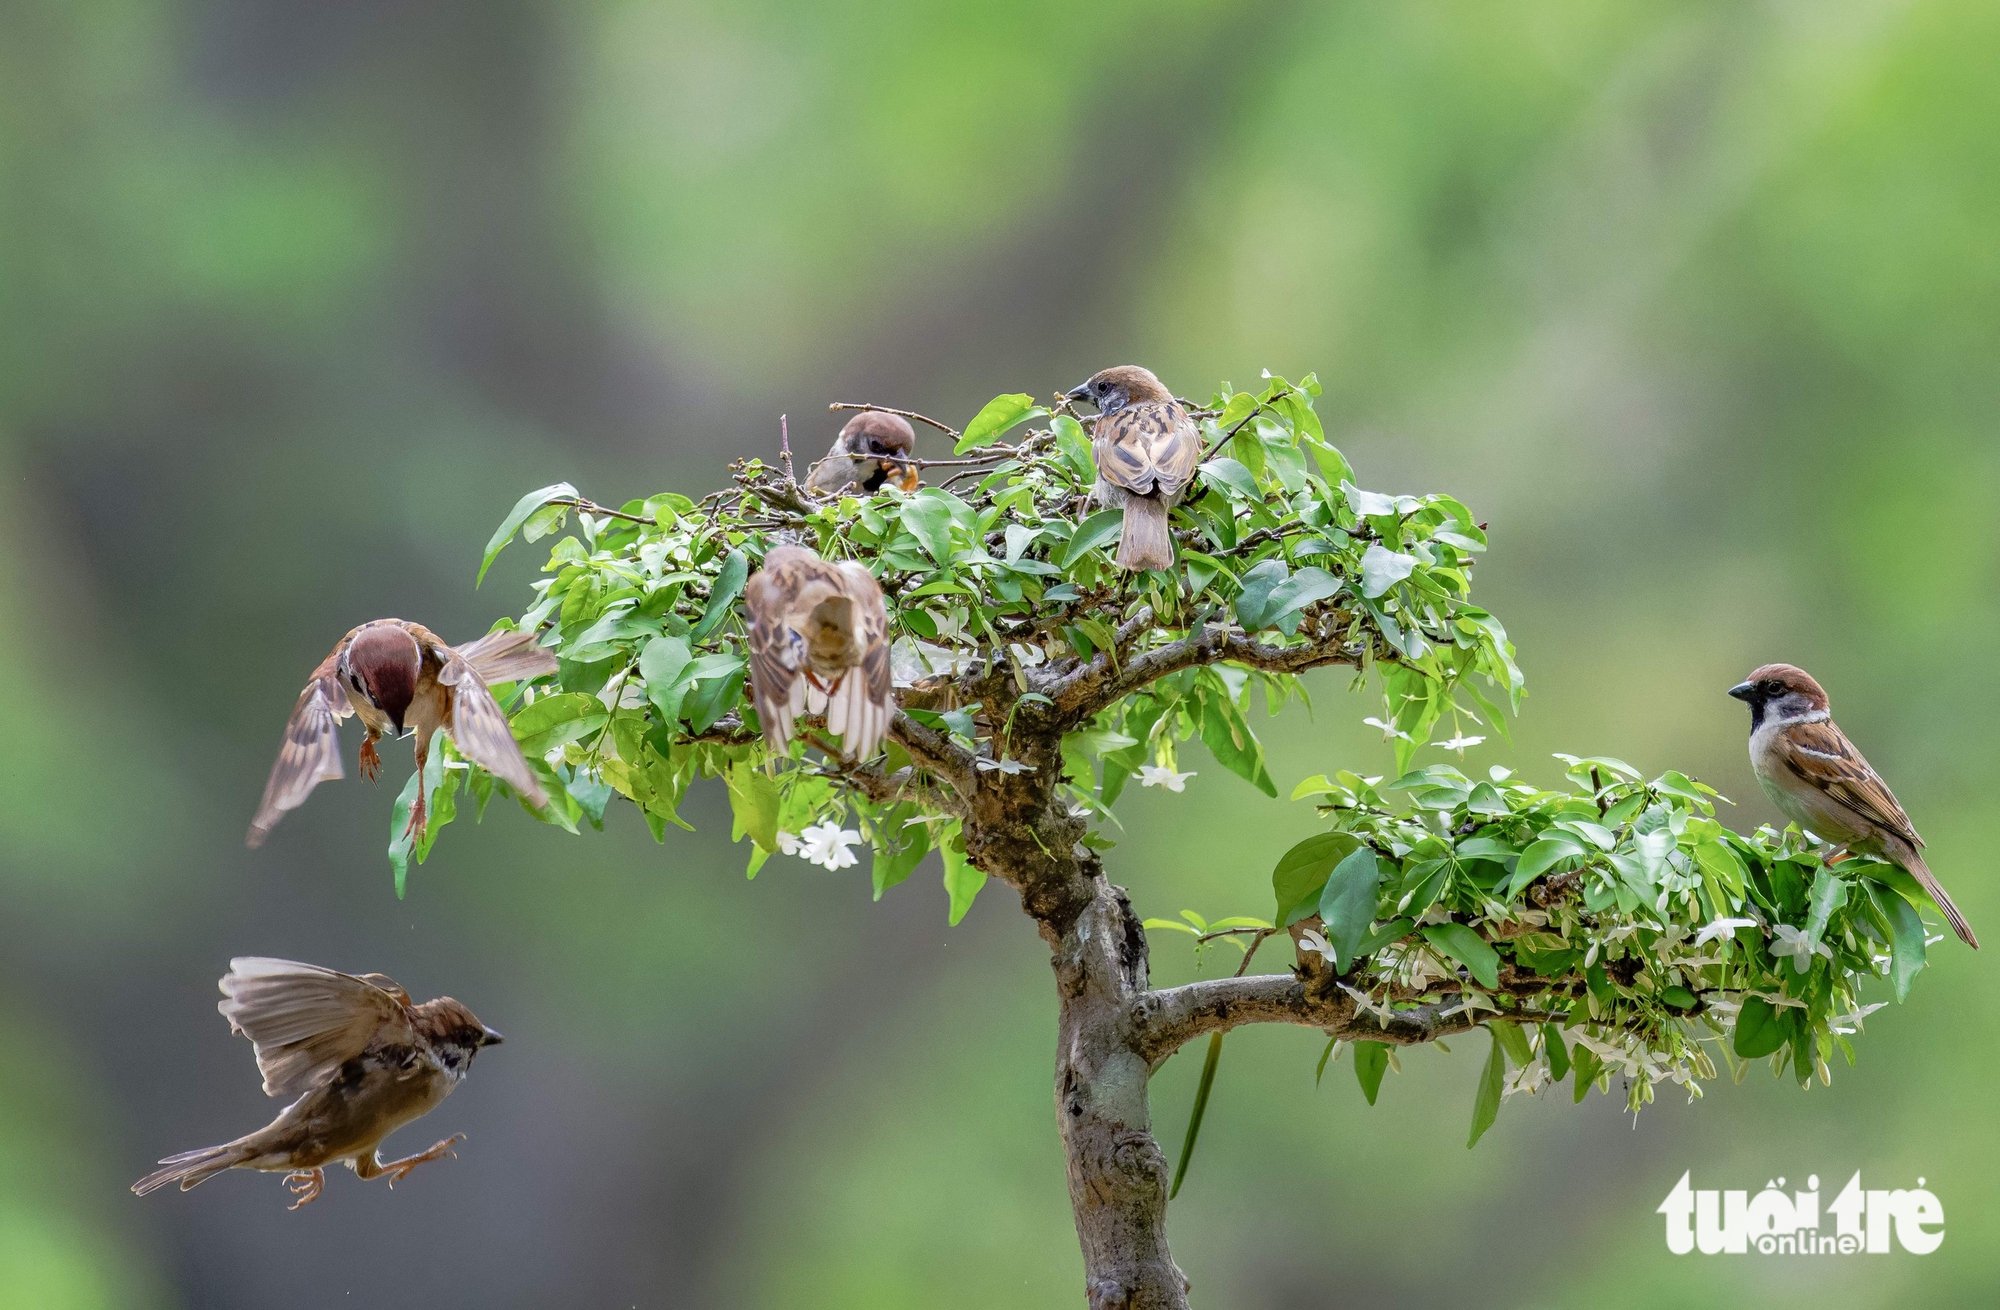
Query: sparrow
pixel 819 645
pixel 1812 772
pixel 366 1060
pixel 874 448
pixel 397 675
pixel 1146 448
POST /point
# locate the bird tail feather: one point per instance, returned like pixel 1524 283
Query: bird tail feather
pixel 1914 863
pixel 191 1168
pixel 1144 543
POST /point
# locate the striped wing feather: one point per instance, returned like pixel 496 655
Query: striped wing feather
pixel 306 1021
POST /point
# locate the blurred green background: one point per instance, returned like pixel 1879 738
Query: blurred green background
pixel 1699 303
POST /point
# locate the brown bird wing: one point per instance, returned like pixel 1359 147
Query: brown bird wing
pixel 771 603
pixel 311 751
pixel 869 690
pixel 1822 755
pixel 507 656
pixel 1148 447
pixel 305 1021
pixel 478 725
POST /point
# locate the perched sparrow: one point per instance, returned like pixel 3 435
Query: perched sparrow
pixel 366 1059
pixel 819 644
pixel 1813 773
pixel 397 675
pixel 1146 448
pixel 872 449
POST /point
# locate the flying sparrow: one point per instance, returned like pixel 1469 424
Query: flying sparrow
pixel 874 448
pixel 1146 448
pixel 1812 772
pixel 366 1060
pixel 397 675
pixel 819 645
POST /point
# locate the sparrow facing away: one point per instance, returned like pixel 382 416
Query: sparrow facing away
pixel 1146 448
pixel 872 449
pixel 366 1059
pixel 398 675
pixel 819 645
pixel 1812 772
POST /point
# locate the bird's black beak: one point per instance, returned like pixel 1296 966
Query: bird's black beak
pixel 1079 393
pixel 1744 691
pixel 488 1037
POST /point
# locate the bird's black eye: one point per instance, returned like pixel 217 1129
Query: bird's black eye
pixel 1774 688
pixel 356 680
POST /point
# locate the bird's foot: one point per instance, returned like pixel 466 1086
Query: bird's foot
pixel 398 1169
pixel 1837 854
pixel 371 759
pixel 419 816
pixel 306 1184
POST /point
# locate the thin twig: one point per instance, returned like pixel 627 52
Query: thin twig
pixel 905 413
pixel 1223 440
pixel 592 507
pixel 785 447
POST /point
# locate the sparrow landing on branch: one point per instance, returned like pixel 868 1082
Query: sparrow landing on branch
pixel 819 645
pixel 1812 772
pixel 366 1060
pixel 1146 448
pixel 874 448
pixel 398 675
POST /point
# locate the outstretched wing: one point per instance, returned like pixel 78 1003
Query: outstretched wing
pixel 311 751
pixel 509 655
pixel 305 1021
pixel 1822 755
pixel 481 730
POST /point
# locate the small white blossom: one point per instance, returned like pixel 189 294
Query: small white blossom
pixel 1720 928
pixel 1158 775
pixel 1312 941
pixel 1388 729
pixel 827 845
pixel 1530 1079
pixel 1459 743
pixel 1787 940
pixel 1009 767
pixel 788 842
pixel 1851 1021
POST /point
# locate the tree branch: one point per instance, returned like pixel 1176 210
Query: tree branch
pixel 1101 683
pixel 1171 1017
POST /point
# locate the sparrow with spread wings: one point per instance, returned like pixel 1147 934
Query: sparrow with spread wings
pixel 875 448
pixel 819 645
pixel 1813 773
pixel 1146 448
pixel 398 675
pixel 362 1060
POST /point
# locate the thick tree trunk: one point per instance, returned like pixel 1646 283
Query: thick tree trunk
pixel 1117 1172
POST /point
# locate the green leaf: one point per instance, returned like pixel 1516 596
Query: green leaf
pixel 1829 893
pixel 1757 1030
pixel 664 665
pixel 1588 1069
pixel 753 803
pixel 1099 529
pixel 1486 1102
pixel 1538 859
pixel 401 843
pixel 900 850
pixel 1906 947
pixel 557 720
pixel 1302 872
pixel 1201 1092
pixel 992 422
pixel 728 586
pixel 1228 737
pixel 961 881
pixel 1382 568
pixel 1309 584
pixel 1347 906
pixel 1075 448
pixel 1513 1041
pixel 1370 1059
pixel 523 507
pixel 1228 475
pixel 1254 606
pixel 1555 1051
pixel 1469 949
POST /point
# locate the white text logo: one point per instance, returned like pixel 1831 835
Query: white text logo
pixel 1776 1223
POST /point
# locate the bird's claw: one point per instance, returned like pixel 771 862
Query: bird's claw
pixel 306 1184
pixel 371 759
pixel 419 816
pixel 441 1151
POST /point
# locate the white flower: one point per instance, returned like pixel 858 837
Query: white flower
pixel 1312 941
pixel 827 845
pixel 1720 928
pixel 1458 743
pixel 1849 1022
pixel 788 842
pixel 1529 1078
pixel 1009 767
pixel 1791 941
pixel 1158 775
pixel 1388 729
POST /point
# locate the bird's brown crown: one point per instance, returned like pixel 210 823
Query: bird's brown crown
pixel 447 1020
pixel 878 433
pixel 1138 384
pixel 386 659
pixel 1792 679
